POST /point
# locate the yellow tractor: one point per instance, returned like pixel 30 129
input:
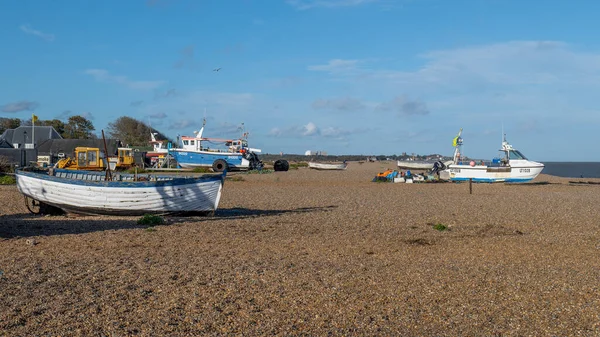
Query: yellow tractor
pixel 92 159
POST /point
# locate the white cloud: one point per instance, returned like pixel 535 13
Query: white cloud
pixel 29 30
pixel 308 4
pixel 336 66
pixel 513 78
pixel 311 130
pixel 102 75
pixel 509 63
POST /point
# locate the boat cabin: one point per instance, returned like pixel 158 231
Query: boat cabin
pixel 508 154
pixel 236 145
pixel 195 144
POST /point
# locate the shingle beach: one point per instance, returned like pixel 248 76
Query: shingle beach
pixel 315 253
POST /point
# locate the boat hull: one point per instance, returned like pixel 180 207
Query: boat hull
pixel 87 193
pixel 325 166
pixel 192 159
pixel 515 173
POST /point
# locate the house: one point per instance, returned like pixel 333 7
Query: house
pixel 21 137
pixel 18 145
pixel 49 146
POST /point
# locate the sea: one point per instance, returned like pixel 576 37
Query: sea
pixel 572 169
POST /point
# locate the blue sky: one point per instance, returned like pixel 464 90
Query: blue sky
pixel 341 76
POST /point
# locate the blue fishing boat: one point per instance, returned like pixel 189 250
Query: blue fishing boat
pixel 220 154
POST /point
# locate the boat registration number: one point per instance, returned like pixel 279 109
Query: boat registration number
pixel 454 170
pixel 525 170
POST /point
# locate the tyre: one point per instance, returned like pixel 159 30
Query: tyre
pixel 219 165
pixel 281 165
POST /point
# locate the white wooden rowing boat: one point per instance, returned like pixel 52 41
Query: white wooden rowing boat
pixel 88 192
pixel 327 166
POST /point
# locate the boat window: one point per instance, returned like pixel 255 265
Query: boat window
pixel 191 142
pixel 514 154
pixel 92 157
pixel 185 142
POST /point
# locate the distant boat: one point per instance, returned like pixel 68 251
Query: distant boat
pixel 90 192
pixel 327 166
pixel 418 165
pixel 511 166
pixel 159 151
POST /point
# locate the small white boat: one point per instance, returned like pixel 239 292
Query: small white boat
pixel 418 165
pixel 91 192
pixel 512 166
pixel 327 166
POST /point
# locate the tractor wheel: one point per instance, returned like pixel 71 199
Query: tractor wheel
pixel 219 165
pixel 281 165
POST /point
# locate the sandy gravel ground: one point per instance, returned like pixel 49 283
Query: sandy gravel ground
pixel 314 253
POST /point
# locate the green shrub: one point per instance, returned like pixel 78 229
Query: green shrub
pixel 440 227
pixel 235 178
pixel 150 220
pixel 7 180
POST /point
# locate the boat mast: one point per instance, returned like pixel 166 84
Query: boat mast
pixel 198 137
pixel 457 143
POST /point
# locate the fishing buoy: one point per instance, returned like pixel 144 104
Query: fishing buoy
pixel 472 163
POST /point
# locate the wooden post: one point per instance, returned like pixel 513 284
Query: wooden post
pixel 470 185
pixel 108 173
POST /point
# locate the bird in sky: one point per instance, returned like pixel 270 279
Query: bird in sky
pixel 216 69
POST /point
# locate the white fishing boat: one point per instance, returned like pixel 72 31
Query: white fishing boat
pixel 327 166
pixel 97 192
pixel 511 166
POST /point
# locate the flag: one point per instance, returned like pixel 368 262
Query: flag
pixel 34 118
pixel 456 140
